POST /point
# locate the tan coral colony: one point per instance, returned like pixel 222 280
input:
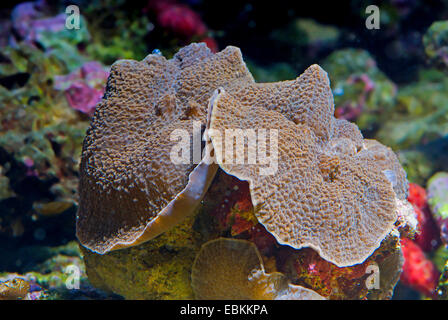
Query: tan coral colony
pixel 331 190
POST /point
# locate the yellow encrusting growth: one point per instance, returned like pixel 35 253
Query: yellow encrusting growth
pixel 157 269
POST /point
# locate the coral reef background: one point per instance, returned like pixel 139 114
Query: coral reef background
pixel 392 82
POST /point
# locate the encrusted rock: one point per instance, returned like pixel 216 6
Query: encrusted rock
pixel 233 269
pixel 157 269
pixel 322 195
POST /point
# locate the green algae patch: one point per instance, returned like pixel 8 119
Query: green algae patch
pixel 435 42
pixel 157 269
pixel 438 194
pixel 442 289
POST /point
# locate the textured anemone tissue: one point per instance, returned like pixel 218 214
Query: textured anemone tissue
pixel 314 183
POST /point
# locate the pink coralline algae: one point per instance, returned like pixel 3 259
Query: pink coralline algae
pixel 29 21
pixel 427 237
pixel 348 111
pixel 83 98
pixel 352 112
pixel 329 280
pixel 418 271
pixel 417 195
pixel 29 164
pixel 181 21
pixel 369 84
pixel 84 87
